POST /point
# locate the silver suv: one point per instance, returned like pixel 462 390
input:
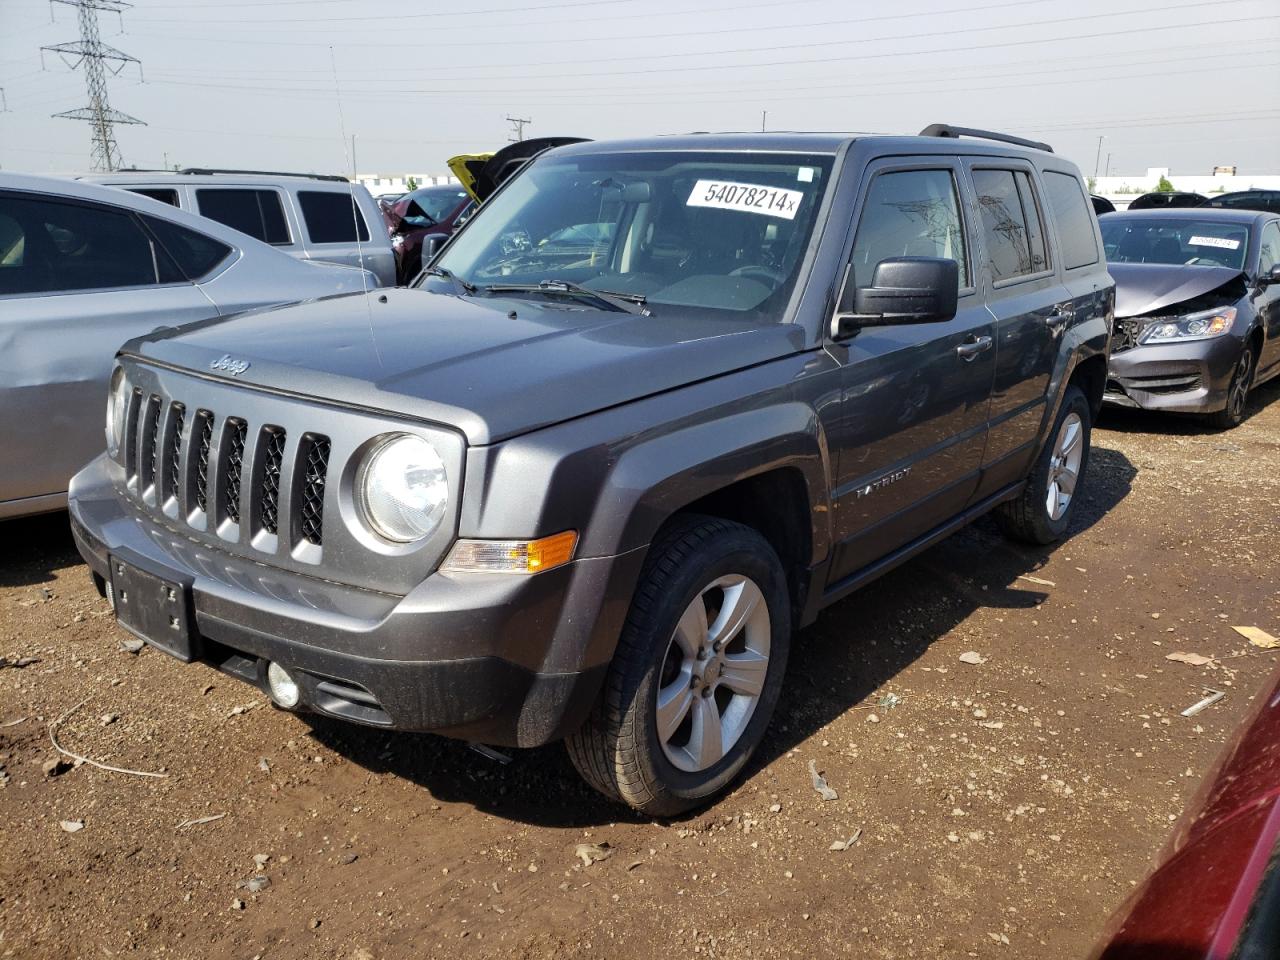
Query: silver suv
pixel 310 217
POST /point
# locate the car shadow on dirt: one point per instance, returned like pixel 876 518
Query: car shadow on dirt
pixel 32 548
pixel 854 648
pixel 1130 420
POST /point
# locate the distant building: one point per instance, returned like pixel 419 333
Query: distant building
pixel 1120 190
pixel 383 183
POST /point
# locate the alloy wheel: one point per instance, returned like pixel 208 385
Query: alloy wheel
pixel 1238 392
pixel 1064 465
pixel 713 673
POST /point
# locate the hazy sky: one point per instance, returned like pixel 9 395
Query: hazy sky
pixel 1185 84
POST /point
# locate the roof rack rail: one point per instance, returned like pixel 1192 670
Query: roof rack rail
pixel 946 130
pixel 208 171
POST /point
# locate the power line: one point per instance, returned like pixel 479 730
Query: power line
pixel 94 55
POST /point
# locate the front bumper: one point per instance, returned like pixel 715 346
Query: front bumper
pixel 1176 377
pixel 508 660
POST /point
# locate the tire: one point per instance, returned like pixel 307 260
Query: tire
pixel 1029 518
pixel 1232 415
pixel 618 750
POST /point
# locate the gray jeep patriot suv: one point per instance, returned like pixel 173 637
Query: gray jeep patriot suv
pixel 652 409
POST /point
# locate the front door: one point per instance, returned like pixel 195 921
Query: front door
pixel 915 396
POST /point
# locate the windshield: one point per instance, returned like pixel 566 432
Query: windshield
pixel 712 231
pixel 1209 243
pixel 433 203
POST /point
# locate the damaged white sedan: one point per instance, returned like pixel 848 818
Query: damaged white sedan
pixel 1197 320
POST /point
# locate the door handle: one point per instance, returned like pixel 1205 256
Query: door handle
pixel 972 347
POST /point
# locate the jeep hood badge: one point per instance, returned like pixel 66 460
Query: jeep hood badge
pixel 227 364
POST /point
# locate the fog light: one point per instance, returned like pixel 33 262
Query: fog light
pixel 284 689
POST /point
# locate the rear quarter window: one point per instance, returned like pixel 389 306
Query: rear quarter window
pixel 1067 203
pixel 195 254
pixel 332 217
pixel 259 213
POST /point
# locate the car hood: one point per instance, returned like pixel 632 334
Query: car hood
pixel 492 367
pixel 1146 287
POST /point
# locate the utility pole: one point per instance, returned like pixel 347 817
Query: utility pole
pixel 517 128
pixel 1097 158
pixel 97 57
pixel 1107 168
pixel 355 170
pixel 764 115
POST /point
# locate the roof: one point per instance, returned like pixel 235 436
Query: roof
pixel 798 142
pixel 170 178
pixel 1222 214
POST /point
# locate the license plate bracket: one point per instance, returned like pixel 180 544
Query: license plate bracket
pixel 153 608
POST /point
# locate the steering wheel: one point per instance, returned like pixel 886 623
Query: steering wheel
pixel 754 271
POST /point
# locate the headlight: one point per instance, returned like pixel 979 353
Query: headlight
pixel 401 489
pixel 117 406
pixel 1194 326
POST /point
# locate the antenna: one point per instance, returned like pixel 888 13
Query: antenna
pixel 355 217
pixel 97 58
pixel 517 128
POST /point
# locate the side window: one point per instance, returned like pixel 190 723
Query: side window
pixel 1075 221
pixel 1035 224
pixel 195 254
pixel 909 213
pixel 54 247
pixel 258 213
pixel 332 217
pixel 1004 225
pixel 163 194
pixel 1268 257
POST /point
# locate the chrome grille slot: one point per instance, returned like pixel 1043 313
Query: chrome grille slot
pixel 233 468
pixel 149 426
pixel 269 482
pixel 130 445
pixel 204 421
pixel 315 468
pixel 177 415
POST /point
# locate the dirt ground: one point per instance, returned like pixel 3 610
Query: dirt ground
pixel 1005 808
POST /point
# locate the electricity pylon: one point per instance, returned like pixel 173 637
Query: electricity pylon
pixel 97 58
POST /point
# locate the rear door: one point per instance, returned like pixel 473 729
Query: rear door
pixel 77 279
pixel 337 230
pixel 1030 305
pixel 913 417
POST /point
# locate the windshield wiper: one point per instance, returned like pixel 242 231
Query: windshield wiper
pixel 458 283
pixel 627 302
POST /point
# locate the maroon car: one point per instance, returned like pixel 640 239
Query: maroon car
pixel 1216 893
pixel 426 212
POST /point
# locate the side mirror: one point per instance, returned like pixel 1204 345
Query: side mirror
pixel 1270 277
pixel 903 290
pixel 431 246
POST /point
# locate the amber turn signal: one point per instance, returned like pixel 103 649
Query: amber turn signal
pixel 511 556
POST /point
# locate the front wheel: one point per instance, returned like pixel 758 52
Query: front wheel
pixel 697 672
pixel 1042 512
pixel 1232 415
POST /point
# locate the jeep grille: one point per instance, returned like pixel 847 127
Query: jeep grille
pixel 161 477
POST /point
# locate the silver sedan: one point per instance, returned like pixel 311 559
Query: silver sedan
pixel 83 268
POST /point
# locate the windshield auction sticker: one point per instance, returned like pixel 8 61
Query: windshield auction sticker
pixel 1222 242
pixel 747 197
